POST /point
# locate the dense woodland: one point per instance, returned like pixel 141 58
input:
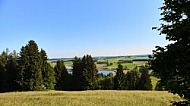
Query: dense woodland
pixel 29 70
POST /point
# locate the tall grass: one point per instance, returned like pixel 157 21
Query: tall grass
pixel 88 98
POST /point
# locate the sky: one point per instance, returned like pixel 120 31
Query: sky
pixel 68 28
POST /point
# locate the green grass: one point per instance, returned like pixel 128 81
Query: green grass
pixel 113 60
pixel 88 98
pixel 154 81
pixel 129 66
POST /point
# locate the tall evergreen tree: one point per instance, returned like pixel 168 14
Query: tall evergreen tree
pixel 145 81
pixel 8 71
pixel 12 71
pixel 48 73
pixel 61 76
pixel 77 74
pixel 84 73
pixel 132 79
pixel 119 79
pixel 30 73
pixel 89 73
pixel 3 72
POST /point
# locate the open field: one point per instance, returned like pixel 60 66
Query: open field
pixel 88 98
pixel 111 63
pixel 128 62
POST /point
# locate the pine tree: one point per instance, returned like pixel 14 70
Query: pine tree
pixel 119 79
pixel 12 71
pixel 61 76
pixel 8 71
pixel 48 73
pixel 30 73
pixel 145 81
pixel 84 73
pixel 89 73
pixel 77 74
pixel 132 79
pixel 3 72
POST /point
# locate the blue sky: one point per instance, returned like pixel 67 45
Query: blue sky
pixel 68 28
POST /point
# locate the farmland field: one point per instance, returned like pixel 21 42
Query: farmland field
pixel 111 63
pixel 88 98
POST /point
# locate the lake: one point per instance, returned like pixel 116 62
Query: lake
pixel 104 72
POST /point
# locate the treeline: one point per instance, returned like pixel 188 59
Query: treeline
pixel 30 71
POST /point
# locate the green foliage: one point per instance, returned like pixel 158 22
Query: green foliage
pixel 159 87
pixel 61 76
pixel 77 74
pixel 119 79
pixel 132 79
pixel 84 73
pixel 8 71
pixel 107 83
pixel 145 81
pixel 47 72
pixel 172 61
pixel 30 73
pixel 89 73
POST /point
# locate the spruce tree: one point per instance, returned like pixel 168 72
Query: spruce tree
pixel 3 72
pixel 132 79
pixel 119 79
pixel 48 73
pixel 77 74
pixel 89 73
pixel 30 73
pixel 84 73
pixel 145 81
pixel 12 71
pixel 8 71
pixel 61 76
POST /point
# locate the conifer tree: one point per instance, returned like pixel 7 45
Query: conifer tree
pixel 30 73
pixel 48 73
pixel 132 79
pixel 119 79
pixel 145 81
pixel 84 73
pixel 107 83
pixel 61 76
pixel 77 74
pixel 12 72
pixel 8 71
pixel 3 72
pixel 89 73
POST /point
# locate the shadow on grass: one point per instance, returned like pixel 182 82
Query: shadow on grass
pixel 181 103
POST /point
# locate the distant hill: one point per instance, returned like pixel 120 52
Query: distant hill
pixel 103 57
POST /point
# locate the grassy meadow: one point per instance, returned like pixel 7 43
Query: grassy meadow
pixel 113 62
pixel 88 98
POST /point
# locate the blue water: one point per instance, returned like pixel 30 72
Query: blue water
pixel 104 72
